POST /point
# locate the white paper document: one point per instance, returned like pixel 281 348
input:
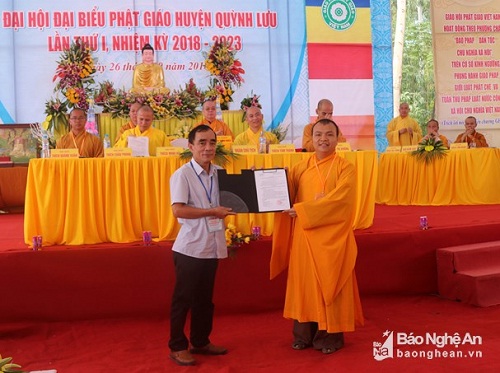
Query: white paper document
pixel 139 146
pixel 272 189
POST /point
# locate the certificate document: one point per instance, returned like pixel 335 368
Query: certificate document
pixel 272 189
pixel 254 190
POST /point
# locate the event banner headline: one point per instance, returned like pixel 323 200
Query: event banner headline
pixel 131 19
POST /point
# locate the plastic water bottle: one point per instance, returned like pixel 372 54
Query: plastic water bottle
pixel 45 146
pixel 262 143
pixel 91 125
pixel 218 110
pixel 106 143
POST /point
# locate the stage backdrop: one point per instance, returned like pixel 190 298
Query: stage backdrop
pixel 270 37
pixel 467 64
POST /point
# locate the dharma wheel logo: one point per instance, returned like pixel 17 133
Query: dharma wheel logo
pixel 339 14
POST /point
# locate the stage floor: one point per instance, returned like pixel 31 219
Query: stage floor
pixel 95 281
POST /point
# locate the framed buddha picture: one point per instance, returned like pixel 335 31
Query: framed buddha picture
pixel 16 143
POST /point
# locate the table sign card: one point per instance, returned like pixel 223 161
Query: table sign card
pixel 139 145
pixel 393 149
pixel 226 141
pixel 168 151
pixel 64 153
pixel 117 152
pixel 408 148
pixel 245 149
pixel 254 190
pixel 459 146
pixel 343 147
pixel 281 148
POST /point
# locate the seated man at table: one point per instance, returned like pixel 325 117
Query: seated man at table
pixel 148 75
pixel 473 138
pixel 209 112
pixel 157 138
pixel 132 122
pixel 324 110
pixel 433 132
pixel 88 145
pixel 403 130
pixel 255 129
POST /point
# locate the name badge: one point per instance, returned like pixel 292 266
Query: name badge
pixel 214 224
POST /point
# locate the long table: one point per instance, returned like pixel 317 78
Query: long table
pixel 88 201
pixel 462 177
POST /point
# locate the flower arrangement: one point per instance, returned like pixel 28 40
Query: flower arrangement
pixel 182 130
pixel 74 72
pixel 226 70
pixel 104 92
pixel 56 119
pixel 234 239
pixel 249 101
pixel 182 103
pixel 222 155
pixel 280 132
pixel 430 149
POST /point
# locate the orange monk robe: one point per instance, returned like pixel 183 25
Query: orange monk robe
pixel 318 246
pixel 130 125
pixel 307 142
pixel 478 138
pixel 250 138
pixel 157 138
pixel 398 123
pixel 88 145
pixel 219 127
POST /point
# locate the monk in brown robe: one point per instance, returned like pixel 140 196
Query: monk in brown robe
pixel 324 110
pixel 315 240
pixel 209 112
pixel 471 136
pixel 88 145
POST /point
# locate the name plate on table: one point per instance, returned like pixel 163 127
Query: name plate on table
pixel 226 141
pixel 459 146
pixel 245 149
pixel 281 148
pixel 408 148
pixel 167 151
pixel 117 152
pixel 64 153
pixel 343 147
pixel 393 149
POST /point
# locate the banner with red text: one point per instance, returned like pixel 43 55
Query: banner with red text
pixel 467 61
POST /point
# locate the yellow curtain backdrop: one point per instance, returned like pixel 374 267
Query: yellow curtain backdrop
pixel 463 177
pixel 87 201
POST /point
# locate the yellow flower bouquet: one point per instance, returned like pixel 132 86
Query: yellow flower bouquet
pixel 234 239
pixel 430 149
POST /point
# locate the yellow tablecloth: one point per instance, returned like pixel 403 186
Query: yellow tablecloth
pixel 87 201
pixel 109 125
pixel 463 177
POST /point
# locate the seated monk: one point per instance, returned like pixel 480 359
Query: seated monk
pixel 473 138
pixel 148 76
pixel 132 122
pixel 324 111
pixel 209 112
pixel 251 136
pixel 88 145
pixel 157 138
pixel 433 132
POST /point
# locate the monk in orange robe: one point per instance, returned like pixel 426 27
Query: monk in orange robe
pixel 324 111
pixel 315 240
pixel 209 112
pixel 88 145
pixel 433 132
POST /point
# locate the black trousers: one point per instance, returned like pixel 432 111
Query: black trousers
pixel 193 291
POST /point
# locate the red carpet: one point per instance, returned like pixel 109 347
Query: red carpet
pixel 126 290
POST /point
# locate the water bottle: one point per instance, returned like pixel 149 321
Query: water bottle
pixel 91 126
pixel 106 143
pixel 218 110
pixel 262 143
pixel 45 146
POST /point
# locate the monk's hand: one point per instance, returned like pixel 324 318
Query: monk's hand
pixel 291 212
pixel 410 131
pixel 403 130
pixel 221 212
